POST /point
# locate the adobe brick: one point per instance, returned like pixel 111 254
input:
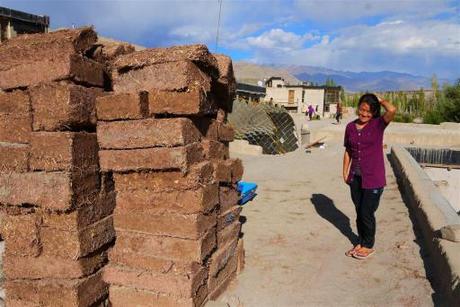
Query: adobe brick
pixel 237 169
pixel 128 296
pixel 228 271
pixel 215 150
pixel 14 157
pixel 64 151
pixel 221 257
pixel 181 76
pixel 185 285
pixel 167 247
pixel 225 132
pixel 187 226
pixel 228 217
pixel 190 102
pixel 57 292
pixel 59 191
pixel 39 267
pixel 122 106
pixel 220 288
pixel 147 133
pixel 228 234
pixel 176 158
pixel 225 85
pixel 222 171
pixel 15 127
pixel 198 54
pixel 63 106
pixel 200 174
pixel 73 67
pixel 203 199
pixel 88 214
pixel 151 263
pixel 15 102
pixel 207 126
pixel 77 244
pixel 228 197
pixel 241 256
pixel 21 233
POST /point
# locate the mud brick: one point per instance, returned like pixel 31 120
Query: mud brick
pixel 225 85
pixel 241 256
pixel 228 271
pixel 228 197
pixel 222 171
pixel 181 285
pixel 52 267
pixel 58 191
pixel 151 263
pixel 228 217
pixel 225 132
pixel 76 244
pixel 130 297
pixel 228 234
pixel 221 257
pixel 189 102
pixel 175 158
pixel 15 128
pixel 200 174
pixel 73 67
pixel 87 215
pixel 182 76
pixel 106 50
pixel 147 133
pixel 186 226
pixel 215 150
pixel 64 151
pixel 203 199
pixel 15 102
pixel 122 106
pixel 236 166
pixel 21 234
pixel 220 288
pixel 208 127
pixel 58 292
pixel 167 247
pixel 63 106
pixel 198 54
pixel 14 157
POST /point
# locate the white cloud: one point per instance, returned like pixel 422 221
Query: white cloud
pixel 278 39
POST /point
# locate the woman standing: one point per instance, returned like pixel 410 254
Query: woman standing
pixel 364 169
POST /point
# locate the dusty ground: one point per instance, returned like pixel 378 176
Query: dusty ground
pixel 298 228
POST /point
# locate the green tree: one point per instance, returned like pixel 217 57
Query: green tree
pixel 330 82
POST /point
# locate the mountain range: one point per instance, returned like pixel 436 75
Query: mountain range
pixel 352 81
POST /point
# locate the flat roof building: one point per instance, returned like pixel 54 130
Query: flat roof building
pixel 13 23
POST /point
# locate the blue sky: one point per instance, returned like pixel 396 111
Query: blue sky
pixel 420 37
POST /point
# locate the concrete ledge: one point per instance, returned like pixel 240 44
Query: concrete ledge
pixel 431 211
pixel 243 147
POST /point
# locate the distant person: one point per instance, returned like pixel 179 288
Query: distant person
pixel 338 114
pixel 364 169
pixel 310 112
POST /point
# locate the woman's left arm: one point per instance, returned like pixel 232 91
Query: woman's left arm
pixel 390 110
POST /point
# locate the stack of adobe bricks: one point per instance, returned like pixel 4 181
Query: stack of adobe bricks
pixel 56 208
pixel 162 134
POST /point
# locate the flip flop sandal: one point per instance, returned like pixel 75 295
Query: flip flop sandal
pixel 363 255
pixel 352 251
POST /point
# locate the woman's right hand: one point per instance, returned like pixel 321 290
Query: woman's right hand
pixel 345 178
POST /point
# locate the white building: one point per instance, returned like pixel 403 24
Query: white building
pixel 297 98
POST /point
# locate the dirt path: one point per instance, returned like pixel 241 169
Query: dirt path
pixel 298 228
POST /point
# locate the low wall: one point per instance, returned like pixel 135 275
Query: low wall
pixel 431 211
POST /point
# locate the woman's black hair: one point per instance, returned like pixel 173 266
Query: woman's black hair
pixel 373 103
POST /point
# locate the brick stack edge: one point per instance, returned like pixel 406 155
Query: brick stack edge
pixel 162 135
pixel 56 207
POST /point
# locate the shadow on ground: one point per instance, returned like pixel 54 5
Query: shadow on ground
pixel 326 208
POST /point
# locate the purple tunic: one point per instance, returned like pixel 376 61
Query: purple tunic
pixel 366 147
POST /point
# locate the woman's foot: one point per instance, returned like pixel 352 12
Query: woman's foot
pixel 352 251
pixel 363 253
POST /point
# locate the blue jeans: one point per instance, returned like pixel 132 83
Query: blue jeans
pixel 366 203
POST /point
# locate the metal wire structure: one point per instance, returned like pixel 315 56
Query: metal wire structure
pixel 265 125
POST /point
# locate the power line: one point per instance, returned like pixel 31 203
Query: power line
pixel 218 24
